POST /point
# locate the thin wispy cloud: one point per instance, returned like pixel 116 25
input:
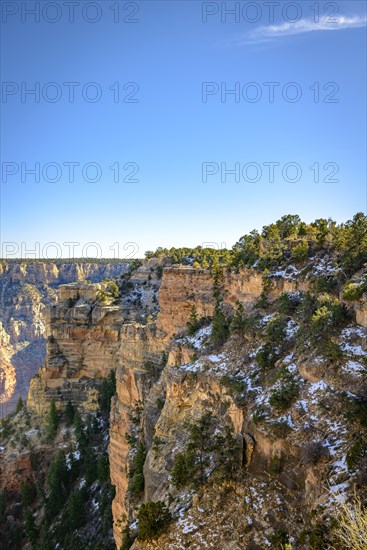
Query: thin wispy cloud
pixel 272 32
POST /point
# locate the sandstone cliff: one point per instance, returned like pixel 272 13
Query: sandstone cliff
pixel 294 444
pixel 274 445
pixel 26 290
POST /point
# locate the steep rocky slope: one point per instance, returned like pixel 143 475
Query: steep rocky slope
pixel 240 414
pixel 288 447
pixel 26 289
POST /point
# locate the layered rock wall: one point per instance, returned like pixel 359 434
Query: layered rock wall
pixel 180 289
pixel 87 339
pixel 184 287
pixel 27 288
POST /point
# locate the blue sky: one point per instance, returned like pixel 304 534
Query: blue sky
pixel 170 132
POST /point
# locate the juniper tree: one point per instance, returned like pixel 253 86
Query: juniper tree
pixel 153 517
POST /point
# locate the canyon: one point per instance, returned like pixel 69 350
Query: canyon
pixel 295 448
pixel 27 288
pixel 156 398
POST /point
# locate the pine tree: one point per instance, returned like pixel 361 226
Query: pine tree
pixel 228 455
pixel 108 390
pixel 80 434
pixel 136 485
pixel 183 469
pixel 19 405
pixel 193 324
pixel 238 322
pixel 69 413
pixel 44 542
pixel 58 483
pixel 217 275
pixel 28 492
pixel 103 467
pixel 75 510
pixel 200 443
pixel 220 326
pixel 127 538
pixel 30 529
pixel 90 466
pixel 52 421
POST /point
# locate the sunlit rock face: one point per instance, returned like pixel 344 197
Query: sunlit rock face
pixel 180 289
pixel 26 289
pixel 166 380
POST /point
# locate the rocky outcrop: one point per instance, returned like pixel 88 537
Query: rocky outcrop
pixel 83 341
pixel 27 288
pixel 360 308
pixel 180 289
pixel 7 372
pixel 165 380
pixel 51 272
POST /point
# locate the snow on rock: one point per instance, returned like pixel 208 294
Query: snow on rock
pixel 352 332
pixel 198 339
pixel 292 328
pixel 324 266
pixel 353 367
pixel 265 320
pixel 317 387
pixel 289 272
pixel 187 525
pixel 355 350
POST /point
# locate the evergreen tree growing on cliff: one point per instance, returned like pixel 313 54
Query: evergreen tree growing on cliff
pixel 108 390
pixel 183 469
pixel 228 455
pixel 193 323
pixel 127 538
pixel 28 492
pixel 136 485
pixel 69 413
pixel 238 322
pixel 52 421
pixel 19 405
pixel 30 529
pixel 44 541
pixel 153 518
pixel 58 484
pixel 190 465
pixel 220 329
pixel 200 443
pixel 80 435
pixel 75 511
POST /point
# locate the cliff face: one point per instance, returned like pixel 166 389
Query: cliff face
pixel 286 454
pixel 287 413
pixel 7 371
pixel 360 308
pixel 26 290
pixel 82 348
pixel 180 289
